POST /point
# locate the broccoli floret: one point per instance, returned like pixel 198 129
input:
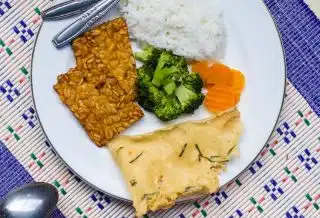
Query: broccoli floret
pixel 171 67
pixel 160 76
pixel 188 99
pixel 158 79
pixel 181 64
pixel 143 83
pixel 155 100
pixel 145 73
pixel 170 87
pixel 146 103
pixel 143 99
pixel 156 95
pixel 193 82
pixel 170 109
pixel 165 69
pixel 149 55
pixel 165 107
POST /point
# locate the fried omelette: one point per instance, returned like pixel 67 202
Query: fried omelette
pixel 181 160
pixel 100 90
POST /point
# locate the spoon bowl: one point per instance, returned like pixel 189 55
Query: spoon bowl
pixel 36 200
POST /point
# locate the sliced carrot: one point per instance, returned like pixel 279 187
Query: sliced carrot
pixel 220 98
pixel 202 69
pixel 219 74
pixel 224 85
pixel 239 80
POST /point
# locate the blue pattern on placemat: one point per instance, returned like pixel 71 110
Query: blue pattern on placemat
pixel 14 175
pixel 57 214
pixel 300 32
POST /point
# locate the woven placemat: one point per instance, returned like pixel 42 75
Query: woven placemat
pixel 282 182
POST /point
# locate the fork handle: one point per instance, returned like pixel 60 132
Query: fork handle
pixel 67 9
pixel 84 23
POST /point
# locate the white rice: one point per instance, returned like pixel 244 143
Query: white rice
pixel 190 28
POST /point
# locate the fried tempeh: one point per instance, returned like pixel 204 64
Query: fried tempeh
pixel 100 91
pixel 106 51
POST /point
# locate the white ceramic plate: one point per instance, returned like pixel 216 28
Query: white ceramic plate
pixel 253 47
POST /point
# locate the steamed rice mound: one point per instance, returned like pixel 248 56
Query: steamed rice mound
pixel 193 29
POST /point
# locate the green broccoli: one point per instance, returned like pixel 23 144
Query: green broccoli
pixel 171 67
pixel 143 83
pixel 170 109
pixel 181 63
pixel 156 95
pixel 149 55
pixel 170 87
pixel 157 82
pixel 189 100
pixel 193 82
pixel 143 99
pixel 164 69
pixel 145 73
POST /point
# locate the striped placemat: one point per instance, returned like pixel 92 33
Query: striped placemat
pixel 282 182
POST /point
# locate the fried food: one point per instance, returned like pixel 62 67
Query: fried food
pixel 106 51
pixel 182 160
pixel 100 90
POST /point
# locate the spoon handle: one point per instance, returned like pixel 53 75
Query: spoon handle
pixel 67 9
pixel 84 23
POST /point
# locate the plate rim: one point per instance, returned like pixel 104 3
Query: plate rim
pixel 192 198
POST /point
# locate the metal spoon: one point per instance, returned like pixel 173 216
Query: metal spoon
pixel 35 200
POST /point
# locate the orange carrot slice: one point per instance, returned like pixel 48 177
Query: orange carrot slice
pixel 224 85
pixel 220 98
pixel 219 74
pixel 201 68
pixel 239 80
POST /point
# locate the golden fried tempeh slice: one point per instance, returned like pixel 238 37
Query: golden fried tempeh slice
pixel 106 51
pixel 100 91
pixel 103 111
